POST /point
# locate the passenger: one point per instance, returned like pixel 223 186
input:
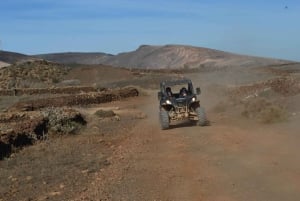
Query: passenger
pixel 183 92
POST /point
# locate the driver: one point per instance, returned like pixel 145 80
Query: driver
pixel 169 91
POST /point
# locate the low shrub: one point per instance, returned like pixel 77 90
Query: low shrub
pixel 264 111
pixel 105 113
pixel 63 121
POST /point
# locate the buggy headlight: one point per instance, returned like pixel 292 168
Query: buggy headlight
pixel 193 99
pixel 169 102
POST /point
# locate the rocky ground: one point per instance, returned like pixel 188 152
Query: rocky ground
pixel 29 121
pixel 60 165
pixel 248 153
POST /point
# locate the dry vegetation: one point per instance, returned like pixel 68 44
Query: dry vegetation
pixel 284 85
pixel 25 128
pixel 265 101
pixel 38 73
pixel 264 111
pixel 105 113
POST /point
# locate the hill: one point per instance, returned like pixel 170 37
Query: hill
pixel 38 73
pixel 179 56
pixel 13 57
pixel 76 57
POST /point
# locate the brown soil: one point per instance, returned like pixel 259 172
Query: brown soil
pixel 130 158
pixel 233 159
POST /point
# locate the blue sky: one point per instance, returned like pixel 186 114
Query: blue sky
pixel 262 28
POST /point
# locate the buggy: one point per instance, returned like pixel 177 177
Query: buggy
pixel 178 101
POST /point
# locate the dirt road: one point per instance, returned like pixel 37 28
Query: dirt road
pixel 233 159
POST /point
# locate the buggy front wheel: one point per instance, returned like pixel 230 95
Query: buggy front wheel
pixel 164 119
pixel 202 119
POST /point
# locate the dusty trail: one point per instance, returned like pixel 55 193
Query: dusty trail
pixel 226 161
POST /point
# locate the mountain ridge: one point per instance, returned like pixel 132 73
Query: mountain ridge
pixel 154 57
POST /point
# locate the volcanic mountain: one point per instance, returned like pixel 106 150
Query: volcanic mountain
pixel 153 57
pixel 179 56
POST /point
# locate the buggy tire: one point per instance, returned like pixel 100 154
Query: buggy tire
pixel 202 119
pixel 164 119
